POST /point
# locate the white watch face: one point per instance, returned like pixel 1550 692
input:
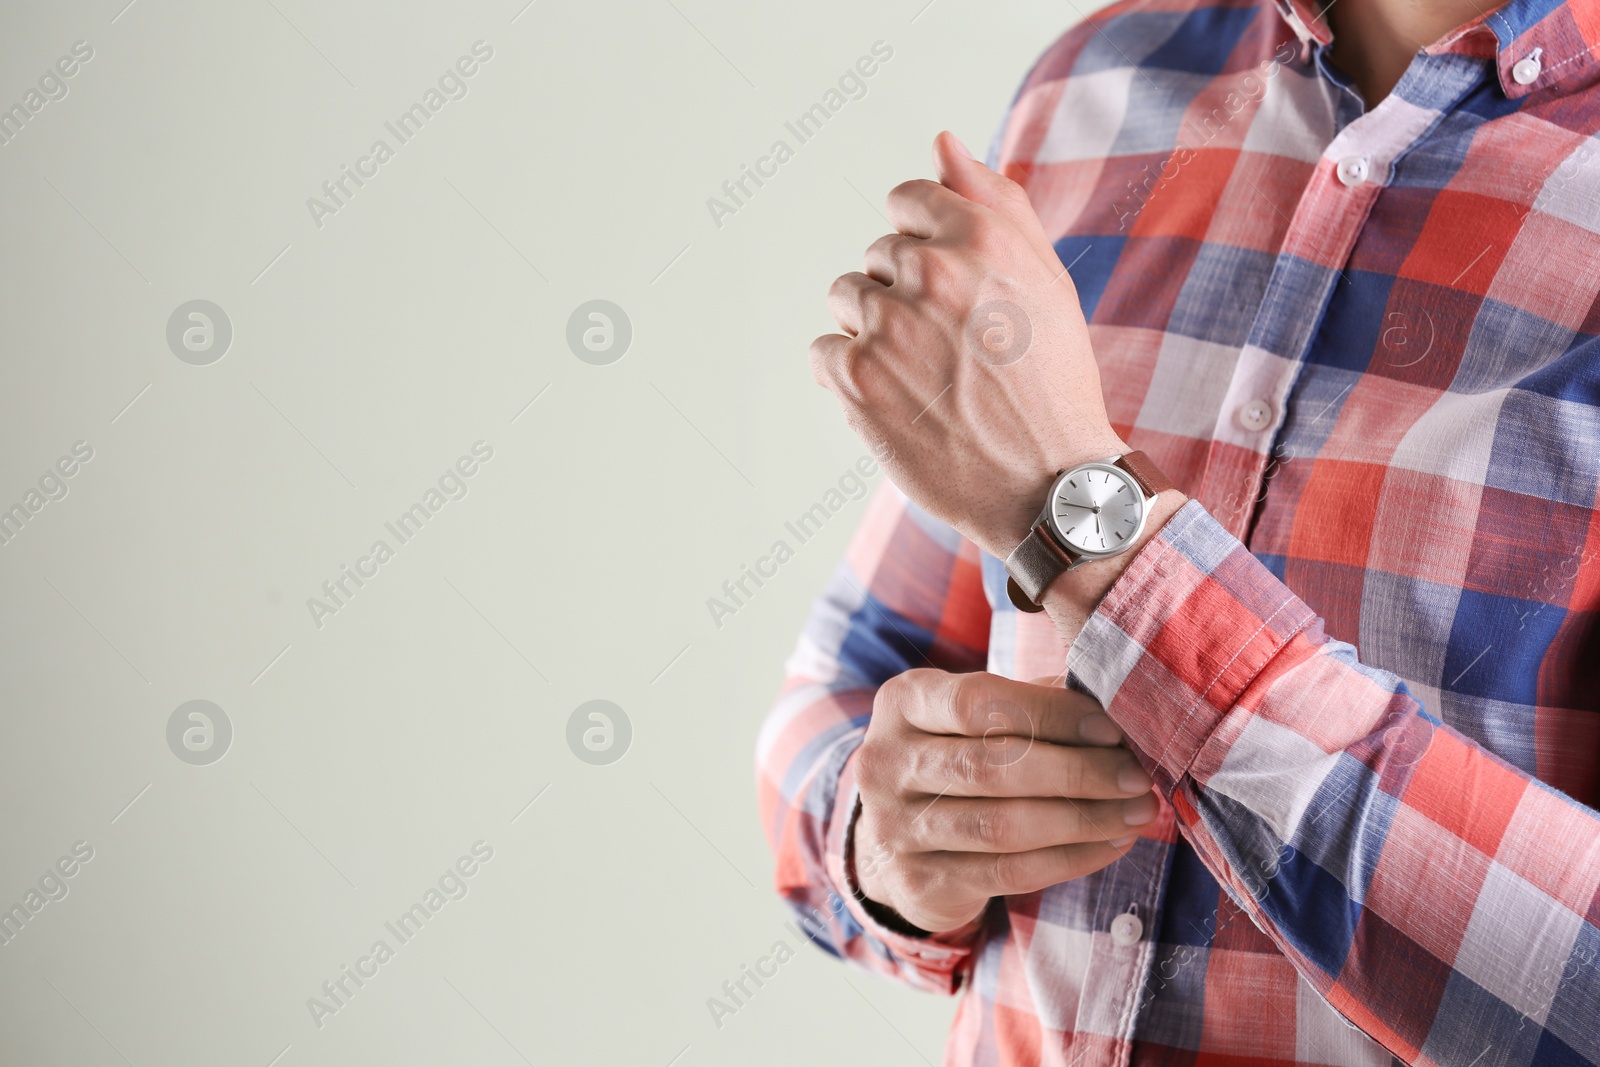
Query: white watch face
pixel 1097 508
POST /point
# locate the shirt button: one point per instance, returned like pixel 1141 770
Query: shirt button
pixel 1526 70
pixel 1353 170
pixel 1255 415
pixel 1126 929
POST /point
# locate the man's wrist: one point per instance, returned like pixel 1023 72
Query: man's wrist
pixel 1020 522
pixel 1074 596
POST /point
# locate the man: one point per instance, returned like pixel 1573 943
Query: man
pixel 1337 284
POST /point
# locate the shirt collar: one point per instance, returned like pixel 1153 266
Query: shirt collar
pixel 1557 38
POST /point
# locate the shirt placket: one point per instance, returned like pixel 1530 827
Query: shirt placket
pixel 1322 229
pixel 1125 918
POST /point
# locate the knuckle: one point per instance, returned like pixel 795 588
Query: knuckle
pixel 918 831
pixel 1072 775
pixel 1010 193
pixel 891 695
pixel 962 698
pixel 880 838
pixel 818 361
pixel 822 354
pixel 895 247
pixel 922 763
pixel 907 691
pixel 990 826
pixel 909 190
pixel 861 376
pixel 876 774
pixel 896 691
pixel 968 826
pixel 909 260
pixel 876 311
pixel 868 766
pixel 1009 872
pixel 938 882
pixel 913 880
pixel 967 768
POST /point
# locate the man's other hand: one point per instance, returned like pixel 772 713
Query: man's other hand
pixel 975 786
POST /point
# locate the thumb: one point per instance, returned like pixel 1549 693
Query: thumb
pixel 959 171
pixel 962 174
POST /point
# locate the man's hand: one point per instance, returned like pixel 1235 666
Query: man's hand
pixel 975 786
pixel 965 350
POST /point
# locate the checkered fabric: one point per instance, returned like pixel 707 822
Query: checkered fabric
pixel 1362 664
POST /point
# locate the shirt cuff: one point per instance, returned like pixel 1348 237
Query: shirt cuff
pixel 1180 638
pixel 940 960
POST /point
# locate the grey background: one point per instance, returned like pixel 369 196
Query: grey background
pixel 367 355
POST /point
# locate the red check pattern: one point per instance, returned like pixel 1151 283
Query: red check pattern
pixel 1363 663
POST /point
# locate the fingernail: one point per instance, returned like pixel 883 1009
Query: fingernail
pixel 1133 780
pixel 1098 729
pixel 1140 810
pixel 1121 841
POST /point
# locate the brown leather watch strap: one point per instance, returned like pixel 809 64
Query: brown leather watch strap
pixel 1039 560
pixel 1150 477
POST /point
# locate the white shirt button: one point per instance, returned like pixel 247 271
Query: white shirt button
pixel 1527 69
pixel 1353 170
pixel 1126 929
pixel 1255 415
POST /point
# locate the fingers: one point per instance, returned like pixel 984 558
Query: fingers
pixel 847 300
pixel 981 704
pixel 959 172
pixel 891 257
pixel 960 824
pixel 923 208
pixel 1004 874
pixel 828 353
pixel 1009 766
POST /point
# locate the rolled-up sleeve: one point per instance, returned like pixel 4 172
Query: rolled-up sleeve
pixel 1440 898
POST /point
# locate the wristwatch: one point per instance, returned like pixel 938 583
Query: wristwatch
pixel 1093 511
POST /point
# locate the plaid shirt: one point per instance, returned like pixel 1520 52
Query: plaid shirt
pixel 1362 664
